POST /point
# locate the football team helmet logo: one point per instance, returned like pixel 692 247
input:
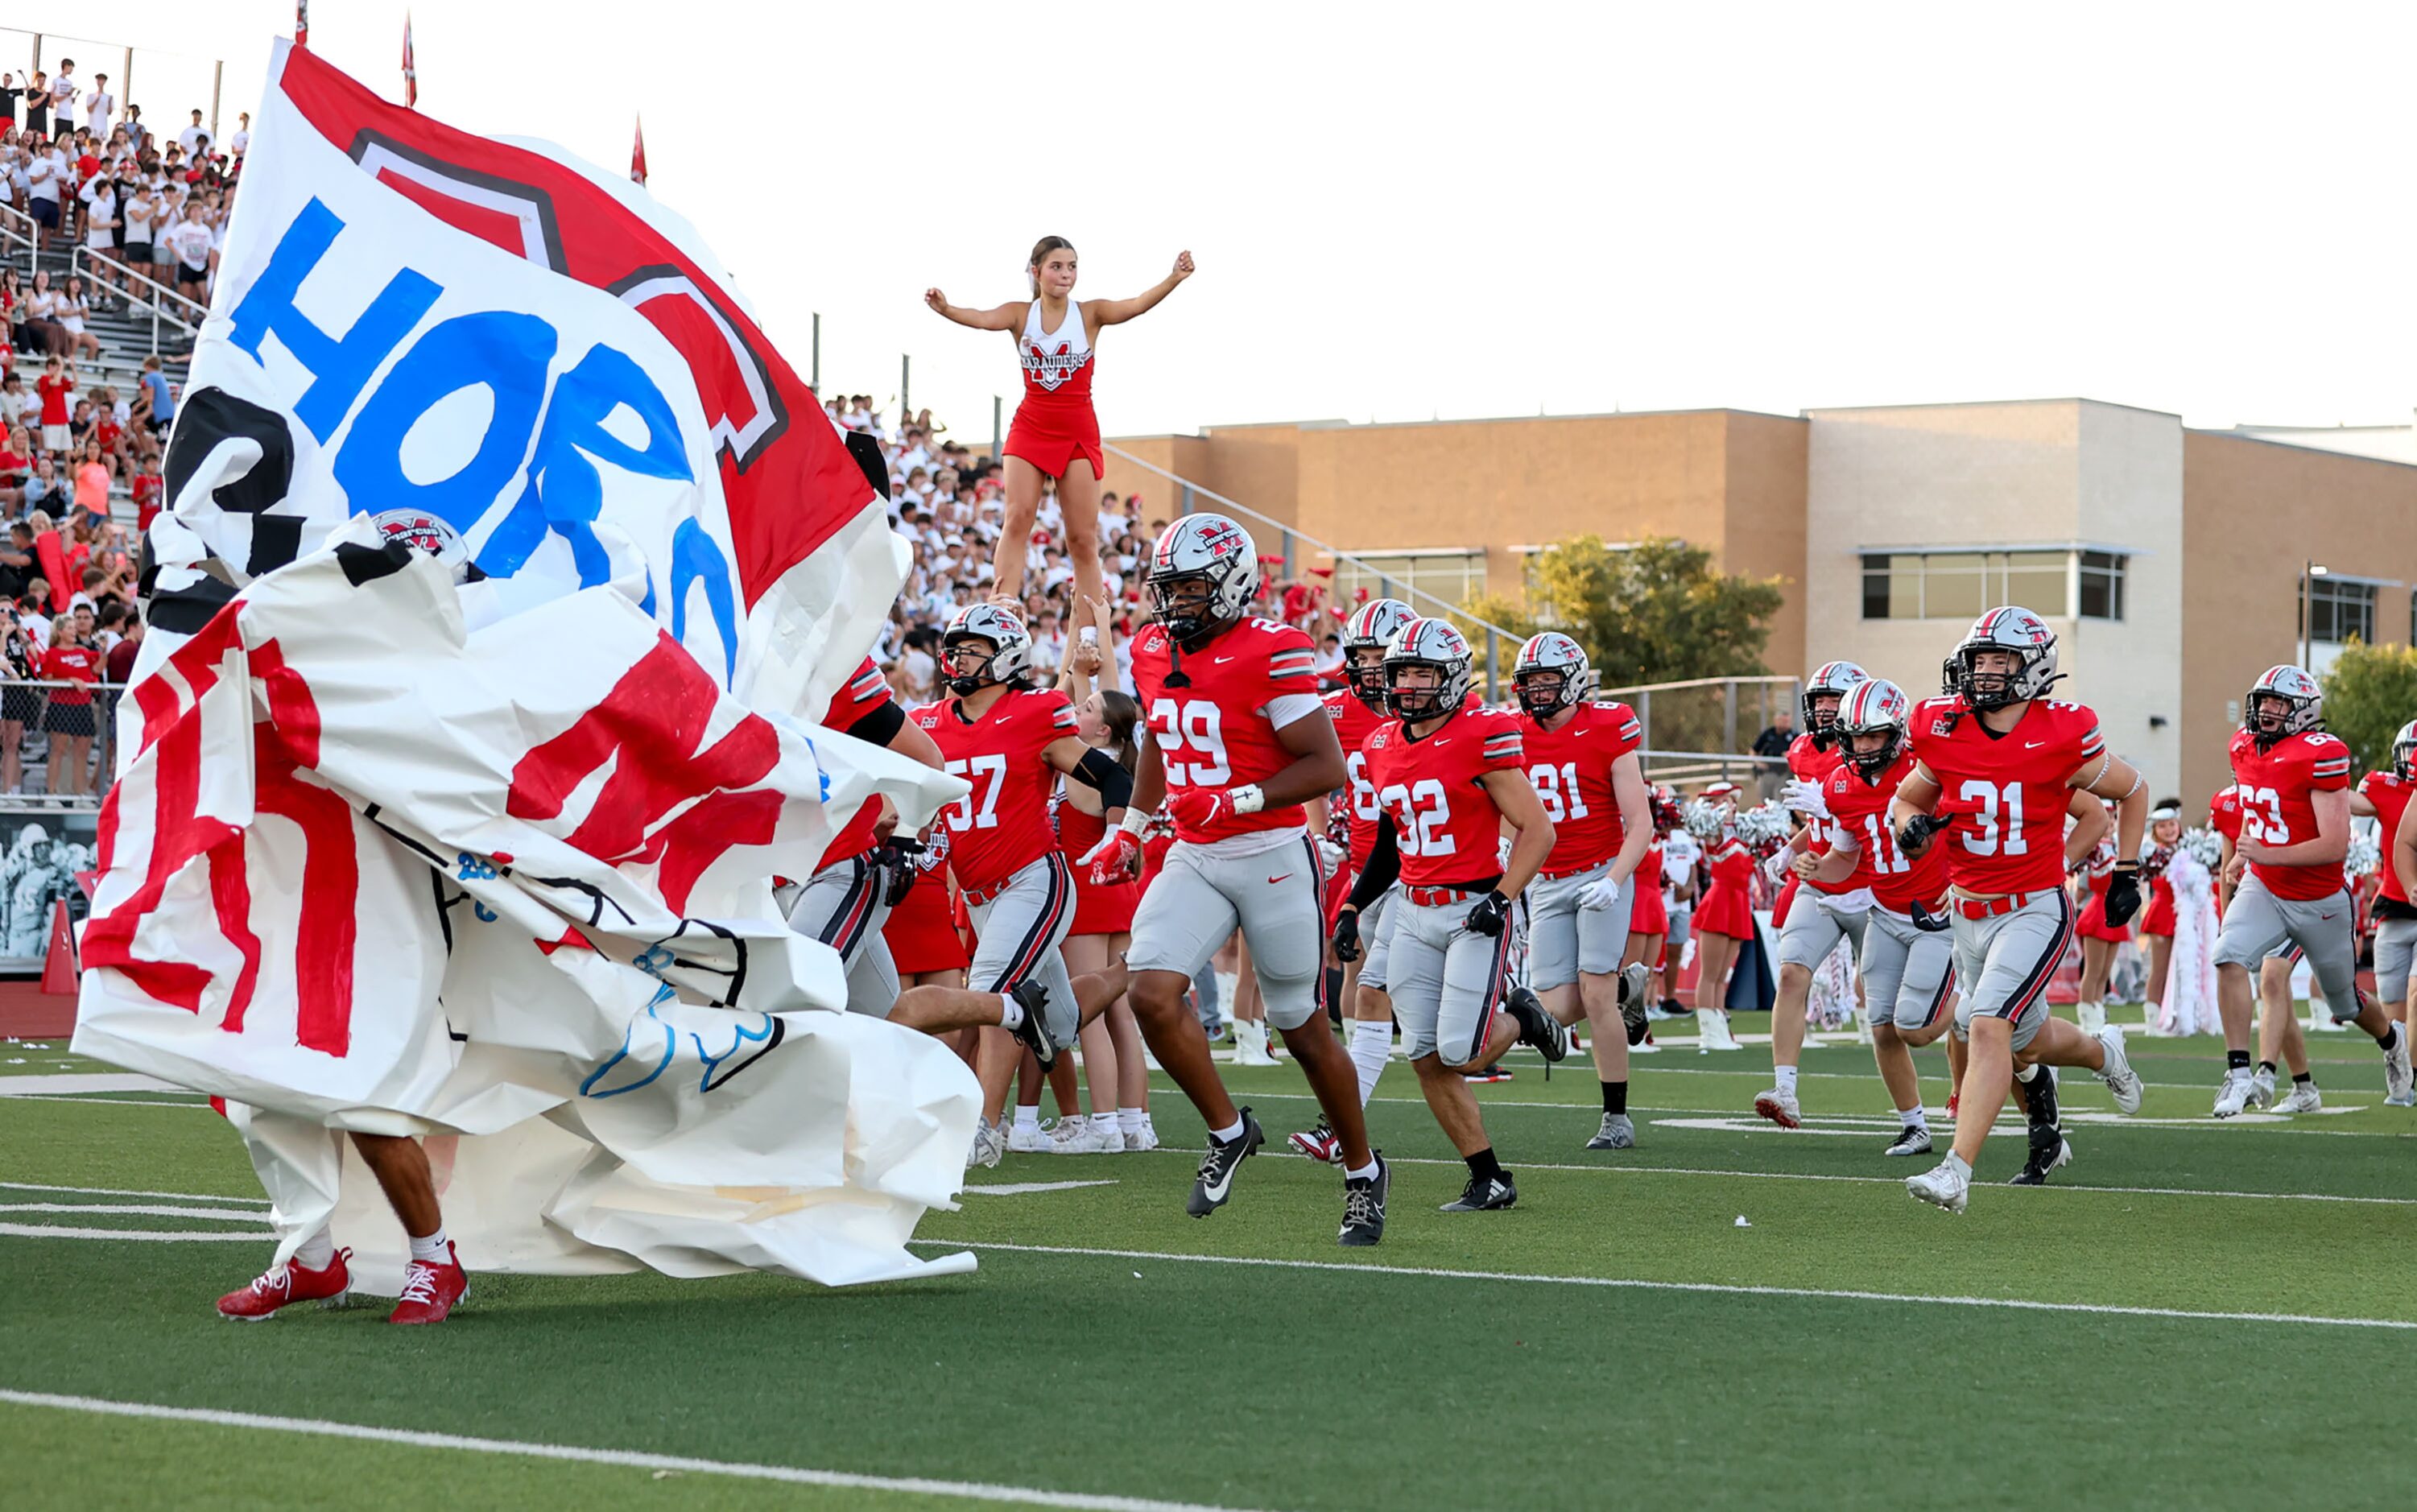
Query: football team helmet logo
pixel 1207 549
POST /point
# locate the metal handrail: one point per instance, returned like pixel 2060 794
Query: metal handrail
pixel 24 239
pixel 75 266
pixel 1696 682
pixel 1293 534
pixel 102 702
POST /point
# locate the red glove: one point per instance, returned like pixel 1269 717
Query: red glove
pixel 1196 809
pixel 1116 859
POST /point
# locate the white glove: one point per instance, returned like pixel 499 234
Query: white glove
pixel 1804 798
pixel 1603 893
pixel 1778 868
pixel 1331 855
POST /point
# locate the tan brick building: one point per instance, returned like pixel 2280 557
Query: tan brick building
pixel 2169 560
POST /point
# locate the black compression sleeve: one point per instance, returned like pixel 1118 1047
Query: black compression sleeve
pixel 1098 770
pixel 1384 864
pixel 881 726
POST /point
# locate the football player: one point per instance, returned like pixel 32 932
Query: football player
pixel 1840 900
pixel 2276 1021
pixel 1994 773
pixel 2292 781
pixel 2384 796
pixel 1358 709
pixel 1010 742
pixel 1239 742
pixel 1583 764
pixel 1449 777
pixel 866 870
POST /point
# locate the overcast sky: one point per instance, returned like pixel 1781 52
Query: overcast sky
pixel 1408 211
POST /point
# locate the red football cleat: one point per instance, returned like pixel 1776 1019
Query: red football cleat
pixel 429 1291
pixel 287 1283
pixel 1951 1105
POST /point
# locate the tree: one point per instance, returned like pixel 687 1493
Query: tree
pixel 1654 613
pixel 2370 692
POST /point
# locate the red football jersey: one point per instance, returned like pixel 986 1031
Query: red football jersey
pixel 1354 722
pixel 1814 764
pixel 1571 768
pixel 1219 731
pixel 2004 797
pixel 1002 825
pixel 1444 820
pixel 865 692
pixel 1861 810
pixel 2277 788
pixel 2390 795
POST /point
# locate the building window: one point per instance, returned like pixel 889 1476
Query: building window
pixel 1451 576
pixel 2339 609
pixel 2102 585
pixel 1961 584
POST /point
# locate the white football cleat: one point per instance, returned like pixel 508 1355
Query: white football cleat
pixel 1027 1138
pixel 1074 1135
pixel 1141 1139
pixel 988 1145
pixel 2120 1077
pixel 1779 1106
pixel 2398 1079
pixel 2262 1089
pixel 2303 1098
pixel 2231 1097
pixel 1946 1186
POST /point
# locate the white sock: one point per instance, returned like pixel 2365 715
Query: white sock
pixel 1228 1134
pixel 318 1252
pixel 1957 1161
pixel 1133 1120
pixel 2026 1074
pixel 1027 1115
pixel 1011 1016
pixel 1915 1117
pixel 1786 1075
pixel 1364 1173
pixel 1372 1045
pixel 430 1250
pixel 1106 1122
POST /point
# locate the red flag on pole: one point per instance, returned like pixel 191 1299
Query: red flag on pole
pixel 638 154
pixel 410 72
pixel 301 23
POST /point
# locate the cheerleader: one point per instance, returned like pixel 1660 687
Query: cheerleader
pixel 1648 919
pixel 1723 921
pixel 1056 432
pixel 2158 919
pixel 2098 939
pixel 1114 1063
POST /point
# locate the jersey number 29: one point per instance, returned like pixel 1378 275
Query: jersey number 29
pixel 1194 727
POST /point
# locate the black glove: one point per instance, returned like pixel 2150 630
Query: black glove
pixel 1913 836
pixel 1488 916
pixel 1346 935
pixel 1926 921
pixel 896 858
pixel 2123 893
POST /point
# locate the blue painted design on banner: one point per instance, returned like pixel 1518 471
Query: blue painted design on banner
pixel 739 1034
pixel 508 353
pixel 629 1037
pixel 696 556
pixel 338 366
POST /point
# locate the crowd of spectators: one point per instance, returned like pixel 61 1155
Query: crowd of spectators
pixel 948 504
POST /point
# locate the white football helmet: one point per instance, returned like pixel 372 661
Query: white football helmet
pixel 2302 700
pixel 2404 752
pixel 1555 653
pixel 1427 642
pixel 1831 679
pixel 1873 707
pixel 1211 550
pixel 2017 630
pixel 1372 628
pixel 1010 646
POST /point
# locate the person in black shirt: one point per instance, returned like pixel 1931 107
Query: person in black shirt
pixel 9 90
pixel 1772 745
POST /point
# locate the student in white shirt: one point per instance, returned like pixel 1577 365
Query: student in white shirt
pixel 62 100
pixel 99 106
pixel 192 135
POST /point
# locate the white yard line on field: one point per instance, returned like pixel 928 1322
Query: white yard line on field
pixel 1609 1169
pixel 626 1458
pixel 121 1191
pixel 1623 1284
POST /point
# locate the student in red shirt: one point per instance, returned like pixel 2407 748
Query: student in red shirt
pixel 72 660
pixel 148 489
pixel 54 386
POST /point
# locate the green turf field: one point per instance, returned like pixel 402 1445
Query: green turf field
pixel 2226 1310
